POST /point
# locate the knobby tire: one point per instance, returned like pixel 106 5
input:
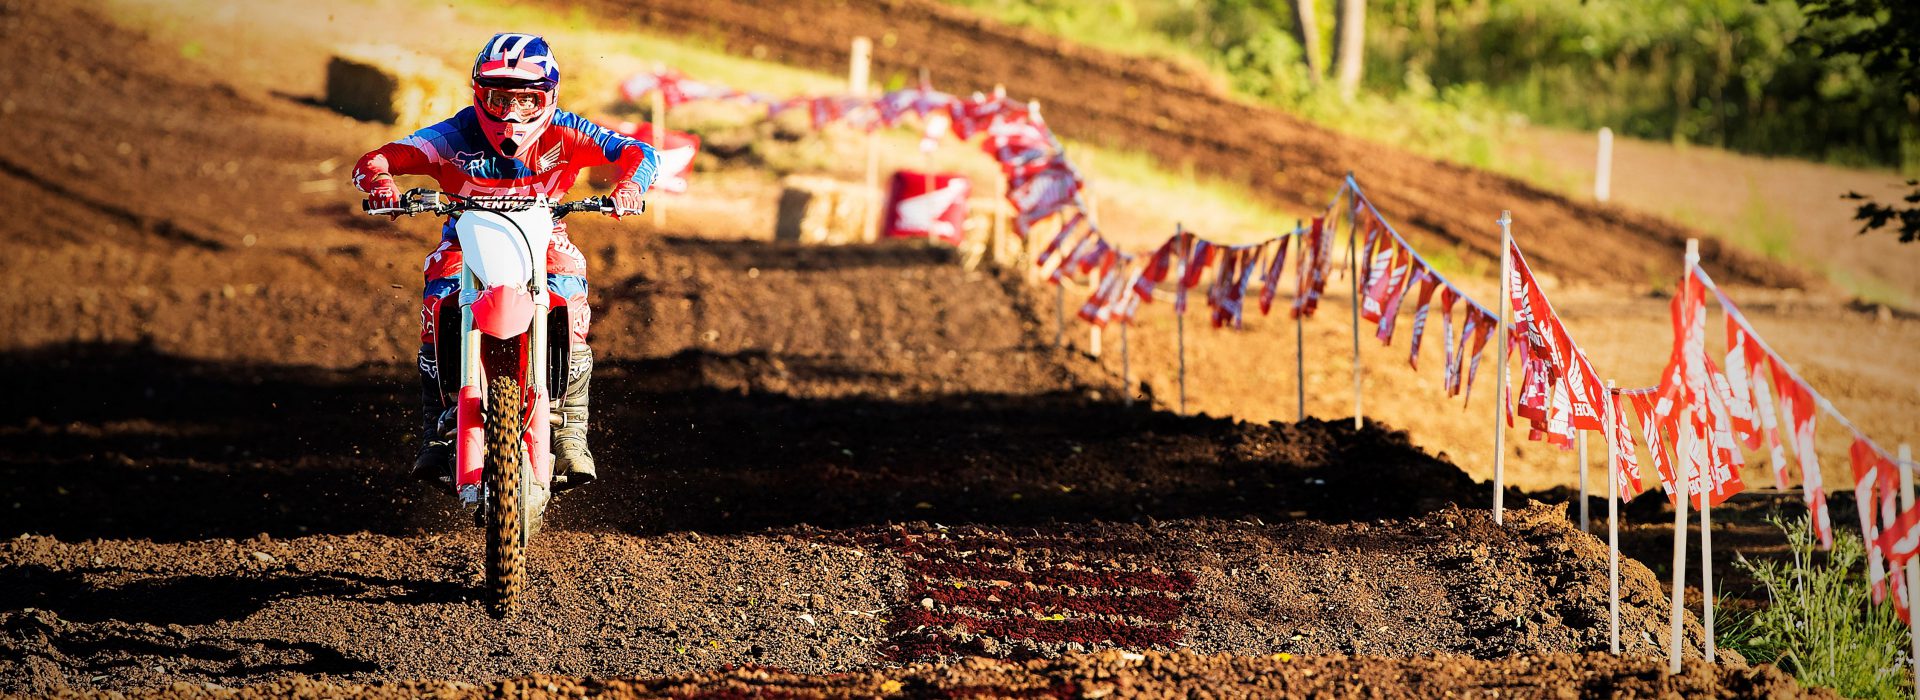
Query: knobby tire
pixel 506 533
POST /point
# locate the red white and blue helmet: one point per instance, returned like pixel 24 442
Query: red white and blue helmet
pixel 516 83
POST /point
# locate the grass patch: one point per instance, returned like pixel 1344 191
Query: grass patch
pixel 1820 623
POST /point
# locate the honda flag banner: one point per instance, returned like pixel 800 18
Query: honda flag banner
pixel 676 152
pixel 925 205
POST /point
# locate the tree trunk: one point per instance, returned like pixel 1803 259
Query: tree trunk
pixel 1349 44
pixel 1307 32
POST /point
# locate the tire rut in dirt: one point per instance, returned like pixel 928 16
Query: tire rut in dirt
pixel 506 527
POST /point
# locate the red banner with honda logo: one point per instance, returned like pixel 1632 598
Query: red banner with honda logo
pixel 676 155
pixel 926 205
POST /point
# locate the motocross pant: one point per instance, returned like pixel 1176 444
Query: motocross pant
pixel 566 278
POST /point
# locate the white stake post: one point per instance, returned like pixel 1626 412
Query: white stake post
pixel 1613 525
pixel 1180 319
pixel 659 144
pixel 1913 565
pixel 1684 467
pixel 859 72
pixel 1299 345
pixel 1603 167
pixel 1706 508
pixel 1676 617
pixel 1353 279
pixel 1500 392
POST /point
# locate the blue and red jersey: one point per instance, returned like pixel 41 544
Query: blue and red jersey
pixel 457 154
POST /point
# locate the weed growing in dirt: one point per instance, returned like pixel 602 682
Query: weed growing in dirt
pixel 1820 623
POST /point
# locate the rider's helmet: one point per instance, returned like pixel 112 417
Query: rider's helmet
pixel 515 84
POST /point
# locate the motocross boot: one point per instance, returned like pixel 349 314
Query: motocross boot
pixel 573 463
pixel 434 464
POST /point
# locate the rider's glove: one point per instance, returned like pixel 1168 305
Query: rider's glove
pixel 384 195
pixel 627 198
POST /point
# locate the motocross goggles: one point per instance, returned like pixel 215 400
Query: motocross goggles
pixel 510 105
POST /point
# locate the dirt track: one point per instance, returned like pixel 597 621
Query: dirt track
pixel 824 460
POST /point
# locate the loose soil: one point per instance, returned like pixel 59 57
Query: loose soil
pixel 1116 674
pixel 826 460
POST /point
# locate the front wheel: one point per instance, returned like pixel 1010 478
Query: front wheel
pixel 506 531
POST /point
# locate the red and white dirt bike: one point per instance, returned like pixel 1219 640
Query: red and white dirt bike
pixel 510 328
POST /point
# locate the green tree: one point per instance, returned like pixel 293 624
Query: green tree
pixel 1885 36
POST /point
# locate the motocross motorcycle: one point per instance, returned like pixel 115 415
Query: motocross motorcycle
pixel 511 329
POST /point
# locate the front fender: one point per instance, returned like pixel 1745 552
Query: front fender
pixel 503 312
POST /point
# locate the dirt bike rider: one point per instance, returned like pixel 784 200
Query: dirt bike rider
pixel 514 140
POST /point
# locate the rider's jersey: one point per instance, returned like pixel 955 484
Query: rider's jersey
pixel 457 154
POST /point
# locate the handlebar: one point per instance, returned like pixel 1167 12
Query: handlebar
pixel 421 200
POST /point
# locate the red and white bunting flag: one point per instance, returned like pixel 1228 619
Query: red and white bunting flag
pixel 1270 282
pixel 1900 539
pixel 1626 464
pixel 1770 425
pixel 1741 413
pixel 1726 445
pixel 1398 281
pixel 1536 393
pixel 1485 327
pixel 1796 403
pixel 1889 515
pixel 1093 258
pixel 1315 259
pixel 1868 471
pixel 1533 319
pixel 1113 283
pixel 1223 279
pixel 1451 346
pixel 1874 491
pixel 1088 245
pixel 1428 281
pixel 1157 269
pixel 1373 283
pixel 1059 239
pixel 1654 428
pixel 1756 361
pixel 1043 194
pixel 1235 272
pixel 1200 253
pixel 974 114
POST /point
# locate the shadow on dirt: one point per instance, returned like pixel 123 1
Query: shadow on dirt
pixel 124 442
pixel 201 600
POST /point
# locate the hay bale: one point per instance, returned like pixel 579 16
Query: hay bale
pixel 823 210
pixel 392 85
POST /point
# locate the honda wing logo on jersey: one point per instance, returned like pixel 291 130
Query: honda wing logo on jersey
pixel 549 159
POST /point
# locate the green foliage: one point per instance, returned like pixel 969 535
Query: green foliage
pixel 1874 215
pixel 1820 623
pixel 1730 73
pixel 1885 34
pixel 1762 77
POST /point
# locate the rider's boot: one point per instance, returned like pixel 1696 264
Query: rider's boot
pixel 434 464
pixel 573 462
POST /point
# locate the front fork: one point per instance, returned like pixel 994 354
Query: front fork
pixel 538 416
